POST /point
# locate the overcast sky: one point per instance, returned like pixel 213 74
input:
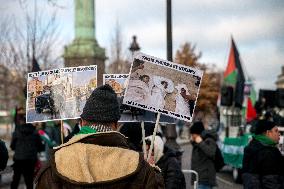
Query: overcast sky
pixel 256 25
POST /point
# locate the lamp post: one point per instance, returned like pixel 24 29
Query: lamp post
pixel 169 31
pixel 134 46
pixel 170 131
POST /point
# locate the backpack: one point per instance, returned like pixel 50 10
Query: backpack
pixel 219 160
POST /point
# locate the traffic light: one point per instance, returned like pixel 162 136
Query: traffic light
pixel 227 96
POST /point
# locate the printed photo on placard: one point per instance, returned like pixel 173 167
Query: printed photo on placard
pixel 129 113
pixel 159 85
pixel 60 93
pixel 117 81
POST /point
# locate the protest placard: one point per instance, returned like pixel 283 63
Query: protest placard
pixel 119 83
pixel 60 93
pixel 162 86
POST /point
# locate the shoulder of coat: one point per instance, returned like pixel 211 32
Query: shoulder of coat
pixel 41 172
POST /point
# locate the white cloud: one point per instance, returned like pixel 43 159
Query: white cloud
pixel 257 27
pixel 263 63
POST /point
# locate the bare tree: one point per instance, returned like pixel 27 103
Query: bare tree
pixel 118 62
pixel 22 43
pixel 210 85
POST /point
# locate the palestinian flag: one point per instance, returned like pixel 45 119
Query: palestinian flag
pixel 250 111
pixel 233 150
pixel 234 76
pixel 46 138
pixel 252 96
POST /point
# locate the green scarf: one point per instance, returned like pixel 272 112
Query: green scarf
pixel 265 140
pixel 86 130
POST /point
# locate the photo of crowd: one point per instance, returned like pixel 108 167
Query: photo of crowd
pixel 59 94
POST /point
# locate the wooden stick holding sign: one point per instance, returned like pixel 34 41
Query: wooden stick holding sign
pixel 153 137
pixel 143 140
pixel 62 131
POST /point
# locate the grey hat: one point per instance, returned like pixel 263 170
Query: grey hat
pixel 102 106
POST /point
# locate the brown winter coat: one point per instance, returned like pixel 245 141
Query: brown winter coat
pixel 100 160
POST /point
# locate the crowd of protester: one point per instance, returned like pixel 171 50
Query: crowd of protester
pixel 99 152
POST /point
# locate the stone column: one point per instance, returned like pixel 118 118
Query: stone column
pixel 84 19
pixel 84 50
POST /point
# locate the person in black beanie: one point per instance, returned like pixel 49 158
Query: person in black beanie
pixel 203 155
pixel 263 164
pixel 98 156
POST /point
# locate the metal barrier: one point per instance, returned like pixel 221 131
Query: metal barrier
pixel 195 183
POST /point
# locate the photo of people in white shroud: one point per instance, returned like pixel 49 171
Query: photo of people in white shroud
pixel 60 93
pixel 119 83
pixel 158 85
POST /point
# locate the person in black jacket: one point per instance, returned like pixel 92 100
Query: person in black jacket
pixel 263 164
pixel 26 143
pixel 3 155
pixel 203 155
pixel 166 159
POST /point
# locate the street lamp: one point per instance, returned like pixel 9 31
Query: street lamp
pixel 169 31
pixel 171 134
pixel 134 46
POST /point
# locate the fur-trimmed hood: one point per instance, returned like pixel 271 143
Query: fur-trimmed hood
pixel 95 158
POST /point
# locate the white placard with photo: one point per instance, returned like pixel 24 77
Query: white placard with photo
pixel 162 86
pixel 59 94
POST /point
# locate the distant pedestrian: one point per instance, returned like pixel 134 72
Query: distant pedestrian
pixel 203 155
pixel 166 159
pixel 263 164
pixel 3 155
pixel 19 118
pixel 98 156
pixel 26 143
pixel 180 125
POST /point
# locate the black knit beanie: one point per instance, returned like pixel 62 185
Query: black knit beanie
pixel 197 128
pixel 102 106
pixel 263 126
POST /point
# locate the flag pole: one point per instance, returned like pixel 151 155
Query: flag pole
pixel 153 137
